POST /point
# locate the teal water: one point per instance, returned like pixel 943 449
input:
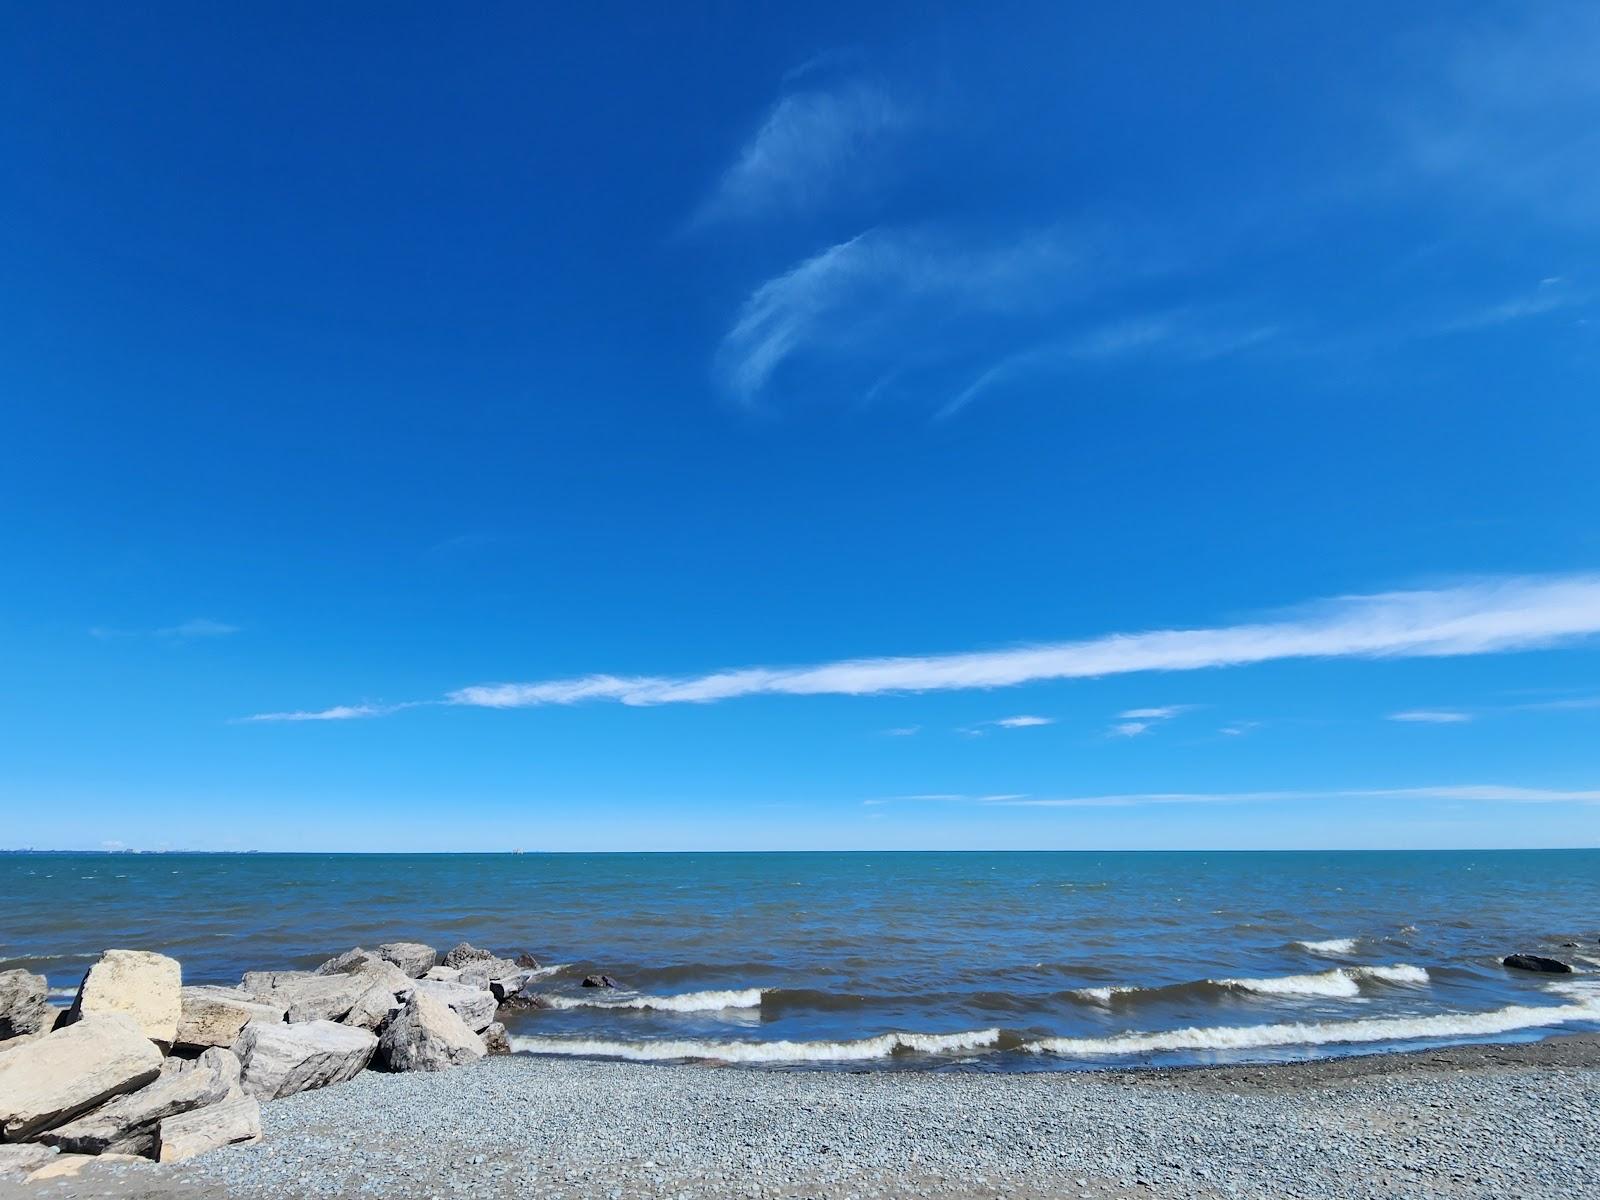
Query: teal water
pixel 1010 961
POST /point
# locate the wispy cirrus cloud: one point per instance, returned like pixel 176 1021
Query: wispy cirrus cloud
pixel 1136 722
pixel 1485 793
pixel 339 712
pixel 195 627
pixel 1484 617
pixel 886 294
pixel 812 147
pixel 1432 716
pixel 1168 336
pixel 1018 722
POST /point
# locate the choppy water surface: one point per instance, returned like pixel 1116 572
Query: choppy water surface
pixel 1010 961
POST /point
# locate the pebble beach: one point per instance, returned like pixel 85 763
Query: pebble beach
pixel 1466 1121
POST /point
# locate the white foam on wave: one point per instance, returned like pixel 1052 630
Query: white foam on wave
pixel 683 1003
pixel 1104 995
pixel 881 1046
pixel 1323 1033
pixel 1336 947
pixel 1338 983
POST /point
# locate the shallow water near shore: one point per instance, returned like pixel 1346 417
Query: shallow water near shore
pixel 989 961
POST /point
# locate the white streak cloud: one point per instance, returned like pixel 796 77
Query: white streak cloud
pixel 812 146
pixel 1484 617
pixel 339 712
pixel 1431 716
pixel 1474 793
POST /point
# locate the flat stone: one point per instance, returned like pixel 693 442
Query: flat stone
pixel 23 1003
pixel 230 1123
pixel 215 1016
pixel 280 1060
pixel 413 958
pixel 443 974
pixel 69 1166
pixel 350 960
pixel 427 1035
pixel 140 983
pixel 50 1081
pixel 129 1124
pixel 473 1005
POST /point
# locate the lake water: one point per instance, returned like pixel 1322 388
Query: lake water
pixel 993 961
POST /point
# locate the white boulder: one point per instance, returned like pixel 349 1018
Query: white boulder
pixel 427 1035
pixel 215 1016
pixel 474 1006
pixel 143 985
pixel 49 1081
pixel 413 958
pixel 229 1123
pixel 130 1123
pixel 280 1060
pixel 23 1003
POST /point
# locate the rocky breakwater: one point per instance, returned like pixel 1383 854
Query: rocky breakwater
pixel 143 1067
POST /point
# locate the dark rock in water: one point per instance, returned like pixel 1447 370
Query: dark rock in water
pixel 600 981
pixel 1536 962
pixel 527 998
pixel 1570 945
pixel 527 961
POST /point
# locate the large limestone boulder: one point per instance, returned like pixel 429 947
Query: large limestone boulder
pixel 215 1016
pixel 473 1005
pixel 464 953
pixel 313 997
pixel 427 1035
pixel 229 1123
pixel 23 1003
pixel 413 958
pixel 144 985
pixel 130 1123
pixel 50 1081
pixel 308 997
pixel 350 960
pixel 280 1060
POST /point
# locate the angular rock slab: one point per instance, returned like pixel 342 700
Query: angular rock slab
pixel 230 1123
pixel 473 1005
pixel 330 997
pixel 1536 962
pixel 216 1016
pixel 144 985
pixel 130 1123
pixel 280 1060
pixel 23 1003
pixel 50 1081
pixel 413 958
pixel 427 1035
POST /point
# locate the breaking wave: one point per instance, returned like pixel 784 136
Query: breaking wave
pixel 1334 947
pixel 683 1003
pixel 1323 1033
pixel 882 1046
pixel 1336 983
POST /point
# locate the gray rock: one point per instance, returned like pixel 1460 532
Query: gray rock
pixel 473 1005
pixel 413 958
pixel 599 981
pixel 140 983
pixel 509 985
pixel 23 1005
pixel 232 1122
pixel 496 1040
pixel 314 997
pixel 49 1081
pixel 215 1016
pixel 377 1006
pixel 443 974
pixel 280 1060
pixel 350 960
pixel 427 1035
pixel 466 954
pixel 130 1123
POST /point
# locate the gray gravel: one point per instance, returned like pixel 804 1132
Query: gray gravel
pixel 1475 1121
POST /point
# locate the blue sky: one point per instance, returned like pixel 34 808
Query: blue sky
pixel 900 426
